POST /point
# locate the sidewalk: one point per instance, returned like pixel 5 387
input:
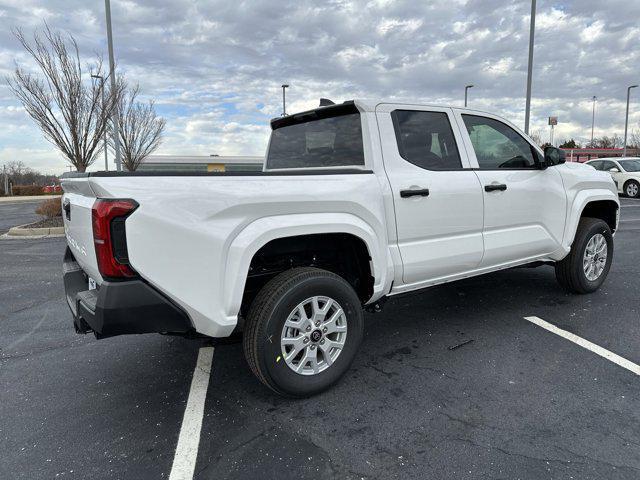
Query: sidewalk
pixel 26 198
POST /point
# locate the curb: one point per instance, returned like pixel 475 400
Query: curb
pixel 25 199
pixel 20 231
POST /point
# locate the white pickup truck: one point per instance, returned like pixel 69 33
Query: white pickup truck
pixel 357 202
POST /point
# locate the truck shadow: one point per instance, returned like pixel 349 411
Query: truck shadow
pixel 409 394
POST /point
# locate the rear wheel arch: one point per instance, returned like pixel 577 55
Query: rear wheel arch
pixel 251 239
pixel 344 254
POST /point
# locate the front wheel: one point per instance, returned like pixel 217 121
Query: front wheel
pixel 586 267
pixel 303 331
pixel 632 189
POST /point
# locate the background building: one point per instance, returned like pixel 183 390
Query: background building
pixel 584 154
pixel 201 163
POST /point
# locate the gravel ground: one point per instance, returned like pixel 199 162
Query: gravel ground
pixel 47 223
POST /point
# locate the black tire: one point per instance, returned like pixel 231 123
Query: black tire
pixel 570 272
pixel 265 323
pixel 631 182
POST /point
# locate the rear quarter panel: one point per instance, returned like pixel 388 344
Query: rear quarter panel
pixel 179 238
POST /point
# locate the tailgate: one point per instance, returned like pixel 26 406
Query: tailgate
pixel 77 203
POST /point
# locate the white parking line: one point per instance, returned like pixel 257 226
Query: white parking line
pixel 617 359
pixel 184 461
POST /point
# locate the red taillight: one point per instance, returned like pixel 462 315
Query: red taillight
pixel 108 217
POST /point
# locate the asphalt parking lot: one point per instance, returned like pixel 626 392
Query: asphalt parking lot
pixel 13 214
pixel 516 402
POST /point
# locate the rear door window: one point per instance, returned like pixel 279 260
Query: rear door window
pixel 426 140
pixel 329 137
pixel 596 164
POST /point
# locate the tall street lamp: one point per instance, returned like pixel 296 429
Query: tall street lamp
pixel 626 120
pixel 593 117
pixel 532 29
pixel 284 104
pixel 101 78
pixel 466 89
pixel 112 74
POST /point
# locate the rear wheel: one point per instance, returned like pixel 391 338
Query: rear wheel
pixel 632 189
pixel 586 267
pixel 303 331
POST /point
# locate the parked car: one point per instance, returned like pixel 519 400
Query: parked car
pixel 52 189
pixel 358 202
pixel 625 173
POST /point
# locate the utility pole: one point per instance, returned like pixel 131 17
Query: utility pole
pixel 6 180
pixel 532 29
pixel 466 89
pixel 112 74
pixel 284 104
pixel 106 161
pixel 626 119
pixel 593 118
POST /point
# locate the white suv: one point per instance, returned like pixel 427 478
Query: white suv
pixel 625 172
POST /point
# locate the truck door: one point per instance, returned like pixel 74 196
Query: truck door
pixel 524 205
pixel 437 199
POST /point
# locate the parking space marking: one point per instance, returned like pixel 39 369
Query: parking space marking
pixel 617 359
pixel 184 460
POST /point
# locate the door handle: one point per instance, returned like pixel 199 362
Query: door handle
pixel 66 206
pixel 494 187
pixel 421 192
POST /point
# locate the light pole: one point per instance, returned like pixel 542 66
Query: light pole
pixel 112 74
pixel 466 89
pixel 532 29
pixel 284 104
pixel 106 161
pixel 626 119
pixel 6 180
pixel 593 117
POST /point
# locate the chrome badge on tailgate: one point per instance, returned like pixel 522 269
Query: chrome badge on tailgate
pixel 75 245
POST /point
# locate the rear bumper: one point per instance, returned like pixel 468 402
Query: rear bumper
pixel 119 308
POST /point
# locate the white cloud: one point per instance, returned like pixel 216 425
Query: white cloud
pixel 390 25
pixel 215 68
pixel 592 32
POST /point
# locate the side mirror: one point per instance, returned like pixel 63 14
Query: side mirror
pixel 553 156
pixel 614 170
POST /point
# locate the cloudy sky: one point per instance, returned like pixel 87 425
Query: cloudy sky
pixel 215 68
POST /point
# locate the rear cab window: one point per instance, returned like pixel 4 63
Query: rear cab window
pixel 323 138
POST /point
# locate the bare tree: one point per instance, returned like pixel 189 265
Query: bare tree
pixel 606 142
pixel 140 128
pixel 16 167
pixel 63 101
pixel 536 136
pixel 634 139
